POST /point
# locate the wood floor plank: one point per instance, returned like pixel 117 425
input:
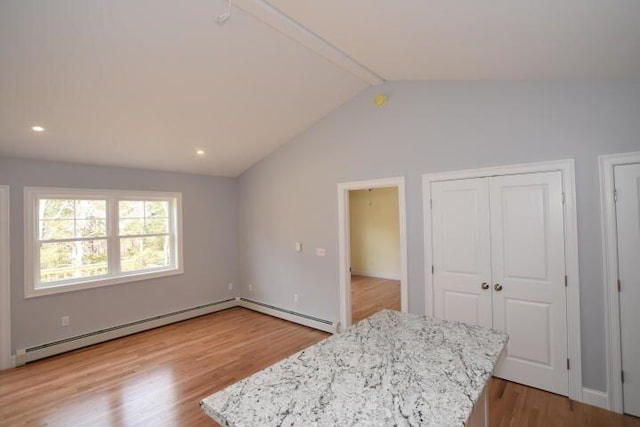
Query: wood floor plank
pixel 369 295
pixel 512 404
pixel 158 377
pixel 152 378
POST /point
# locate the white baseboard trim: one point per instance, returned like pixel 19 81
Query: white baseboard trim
pixel 25 355
pixel 375 275
pixel 73 343
pixel 595 398
pixel 291 316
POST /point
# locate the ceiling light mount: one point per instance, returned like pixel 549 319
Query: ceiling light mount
pixel 200 152
pixel 37 128
pixel 380 100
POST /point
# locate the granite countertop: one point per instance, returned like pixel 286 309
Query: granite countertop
pixel 390 369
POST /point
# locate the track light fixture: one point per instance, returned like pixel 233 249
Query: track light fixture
pixel 224 17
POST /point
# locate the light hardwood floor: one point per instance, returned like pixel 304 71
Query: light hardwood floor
pixel 157 378
pixel 370 295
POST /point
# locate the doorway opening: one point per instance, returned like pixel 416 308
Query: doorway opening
pixel 478 270
pixel 373 266
pixel 374 233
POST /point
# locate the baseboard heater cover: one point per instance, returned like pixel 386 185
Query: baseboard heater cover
pixel 290 315
pixel 41 351
pixel 72 343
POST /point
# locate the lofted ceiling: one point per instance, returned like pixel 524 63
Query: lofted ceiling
pixel 493 39
pixel 146 83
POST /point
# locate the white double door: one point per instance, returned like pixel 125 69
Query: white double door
pixel 627 184
pixel 499 261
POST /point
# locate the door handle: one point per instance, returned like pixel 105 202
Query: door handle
pixel 497 287
pixel 484 286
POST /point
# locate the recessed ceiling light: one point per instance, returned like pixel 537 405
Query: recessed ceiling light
pixel 37 128
pixel 200 152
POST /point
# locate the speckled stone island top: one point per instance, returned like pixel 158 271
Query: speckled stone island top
pixel 390 369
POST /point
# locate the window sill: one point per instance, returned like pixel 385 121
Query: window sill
pixel 30 292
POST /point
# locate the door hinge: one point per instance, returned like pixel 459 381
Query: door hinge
pixel 433 270
pixel 564 198
pixel 615 195
pixel 622 376
pixel 566 281
pixel 619 286
pixel 568 364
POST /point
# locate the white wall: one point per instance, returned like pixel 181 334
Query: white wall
pixel 375 232
pixel 428 127
pixel 209 245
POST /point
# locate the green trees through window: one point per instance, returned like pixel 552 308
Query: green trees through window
pixel 78 237
pixel 72 236
pixel 144 234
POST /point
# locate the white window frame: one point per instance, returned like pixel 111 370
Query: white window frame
pixel 31 247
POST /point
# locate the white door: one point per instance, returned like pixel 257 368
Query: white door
pixel 507 232
pixel 528 268
pixel 627 184
pixel 461 251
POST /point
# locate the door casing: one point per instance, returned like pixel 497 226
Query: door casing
pixel 567 168
pixel 610 270
pixel 5 283
pixel 344 250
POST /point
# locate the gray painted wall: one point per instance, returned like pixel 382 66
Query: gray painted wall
pixel 427 127
pixel 210 251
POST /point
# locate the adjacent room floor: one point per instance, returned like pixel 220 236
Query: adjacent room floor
pixel 157 378
pixel 369 295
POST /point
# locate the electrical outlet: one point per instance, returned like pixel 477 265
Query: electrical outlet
pixel 65 321
pixel 298 247
pixel 250 287
pixel 230 286
pixel 295 297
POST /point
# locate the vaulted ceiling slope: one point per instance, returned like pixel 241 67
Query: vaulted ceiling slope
pixel 146 83
pixel 491 39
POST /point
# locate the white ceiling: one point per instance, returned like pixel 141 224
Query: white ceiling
pixel 491 39
pixel 146 83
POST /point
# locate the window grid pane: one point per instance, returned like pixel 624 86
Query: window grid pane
pixel 143 217
pixel 73 241
pixel 69 218
pixel 71 260
pixel 144 253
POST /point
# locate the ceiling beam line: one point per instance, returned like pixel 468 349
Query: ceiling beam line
pixel 273 17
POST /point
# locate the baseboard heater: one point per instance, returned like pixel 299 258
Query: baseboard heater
pixel 56 347
pixel 41 351
pixel 290 315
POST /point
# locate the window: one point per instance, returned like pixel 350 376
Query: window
pixel 79 239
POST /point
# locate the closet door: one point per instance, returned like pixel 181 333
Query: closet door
pixel 529 295
pixel 627 179
pixel 461 251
